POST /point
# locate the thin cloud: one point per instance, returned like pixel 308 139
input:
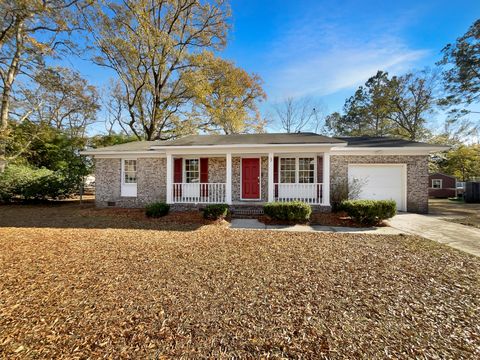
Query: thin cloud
pixel 317 57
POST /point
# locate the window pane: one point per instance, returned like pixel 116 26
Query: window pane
pixel 306 173
pixel 287 170
pixel 130 171
pixel 192 170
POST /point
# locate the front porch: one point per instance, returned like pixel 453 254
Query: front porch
pixel 248 179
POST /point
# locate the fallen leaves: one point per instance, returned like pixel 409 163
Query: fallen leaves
pixel 87 283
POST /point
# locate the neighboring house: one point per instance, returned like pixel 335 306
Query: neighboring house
pixel 442 186
pixel 250 169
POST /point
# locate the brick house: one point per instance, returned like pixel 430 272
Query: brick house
pixel 442 185
pixel 251 169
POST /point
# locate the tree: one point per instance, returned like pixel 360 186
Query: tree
pixel 226 96
pixel 462 75
pixel 150 45
pixel 397 106
pixel 296 115
pixel 412 99
pixel 462 162
pixel 61 99
pixel 30 31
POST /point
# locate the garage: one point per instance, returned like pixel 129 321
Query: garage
pixel 380 182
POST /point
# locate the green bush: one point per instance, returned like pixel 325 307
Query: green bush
pixel 27 183
pixel 296 211
pixel 215 211
pixel 157 209
pixel 369 212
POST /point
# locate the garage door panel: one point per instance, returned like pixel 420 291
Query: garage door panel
pixel 380 182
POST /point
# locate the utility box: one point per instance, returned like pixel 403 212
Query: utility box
pixel 472 192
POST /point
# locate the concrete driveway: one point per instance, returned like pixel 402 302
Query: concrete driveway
pixel 458 236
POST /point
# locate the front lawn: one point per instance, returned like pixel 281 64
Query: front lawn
pixel 85 283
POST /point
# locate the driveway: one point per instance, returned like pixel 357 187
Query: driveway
pixel 458 236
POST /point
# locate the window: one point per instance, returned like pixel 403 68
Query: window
pixel 130 171
pixel 306 170
pixel 287 170
pixel 297 170
pixel 192 170
pixel 436 183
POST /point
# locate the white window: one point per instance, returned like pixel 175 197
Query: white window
pixel 287 170
pixel 297 170
pixel 129 171
pixel 436 183
pixel 306 170
pixel 192 170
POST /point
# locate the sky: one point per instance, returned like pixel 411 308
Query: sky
pixel 325 49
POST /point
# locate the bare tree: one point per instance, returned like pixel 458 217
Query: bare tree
pixel 296 115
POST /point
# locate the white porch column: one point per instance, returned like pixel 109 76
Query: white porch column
pixel 228 185
pixel 169 179
pixel 326 179
pixel 271 189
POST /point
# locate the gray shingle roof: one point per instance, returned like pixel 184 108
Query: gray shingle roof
pixel 252 139
pixel 130 146
pixel 383 142
pixel 264 139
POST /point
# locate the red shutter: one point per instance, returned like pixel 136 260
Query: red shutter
pixel 319 169
pixel 204 176
pixel 319 177
pixel 275 174
pixel 177 176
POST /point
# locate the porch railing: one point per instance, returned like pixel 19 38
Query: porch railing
pixel 309 193
pixel 199 193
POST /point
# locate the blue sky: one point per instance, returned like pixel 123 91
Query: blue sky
pixel 325 49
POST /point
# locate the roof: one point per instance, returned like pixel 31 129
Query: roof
pixel 442 174
pixel 383 142
pixel 130 146
pixel 252 139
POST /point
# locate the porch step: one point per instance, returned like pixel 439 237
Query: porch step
pixel 246 212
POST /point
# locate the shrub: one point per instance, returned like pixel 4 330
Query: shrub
pixel 157 209
pixel 24 182
pixel 215 211
pixel 296 211
pixel 344 189
pixel 369 212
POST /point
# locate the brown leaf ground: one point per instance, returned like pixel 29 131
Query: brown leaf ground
pixel 86 283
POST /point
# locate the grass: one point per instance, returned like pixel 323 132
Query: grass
pixel 85 283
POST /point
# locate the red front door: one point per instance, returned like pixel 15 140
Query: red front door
pixel 250 178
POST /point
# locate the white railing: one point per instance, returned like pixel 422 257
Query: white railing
pixel 309 193
pixel 199 193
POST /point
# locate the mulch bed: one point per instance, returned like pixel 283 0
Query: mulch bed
pixel 325 219
pixel 72 291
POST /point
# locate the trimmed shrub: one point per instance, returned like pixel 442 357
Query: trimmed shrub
pixel 24 182
pixel 215 211
pixel 296 211
pixel 369 212
pixel 157 209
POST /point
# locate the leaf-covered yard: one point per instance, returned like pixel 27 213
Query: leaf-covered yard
pixel 79 282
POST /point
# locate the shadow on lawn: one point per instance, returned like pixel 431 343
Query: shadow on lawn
pixel 72 214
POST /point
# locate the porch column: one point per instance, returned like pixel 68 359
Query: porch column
pixel 169 178
pixel 228 185
pixel 326 179
pixel 271 190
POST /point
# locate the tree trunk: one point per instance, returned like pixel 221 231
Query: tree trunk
pixel 7 89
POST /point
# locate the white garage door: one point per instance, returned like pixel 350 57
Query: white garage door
pixel 380 182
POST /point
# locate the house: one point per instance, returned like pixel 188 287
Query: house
pixel 250 169
pixel 443 186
